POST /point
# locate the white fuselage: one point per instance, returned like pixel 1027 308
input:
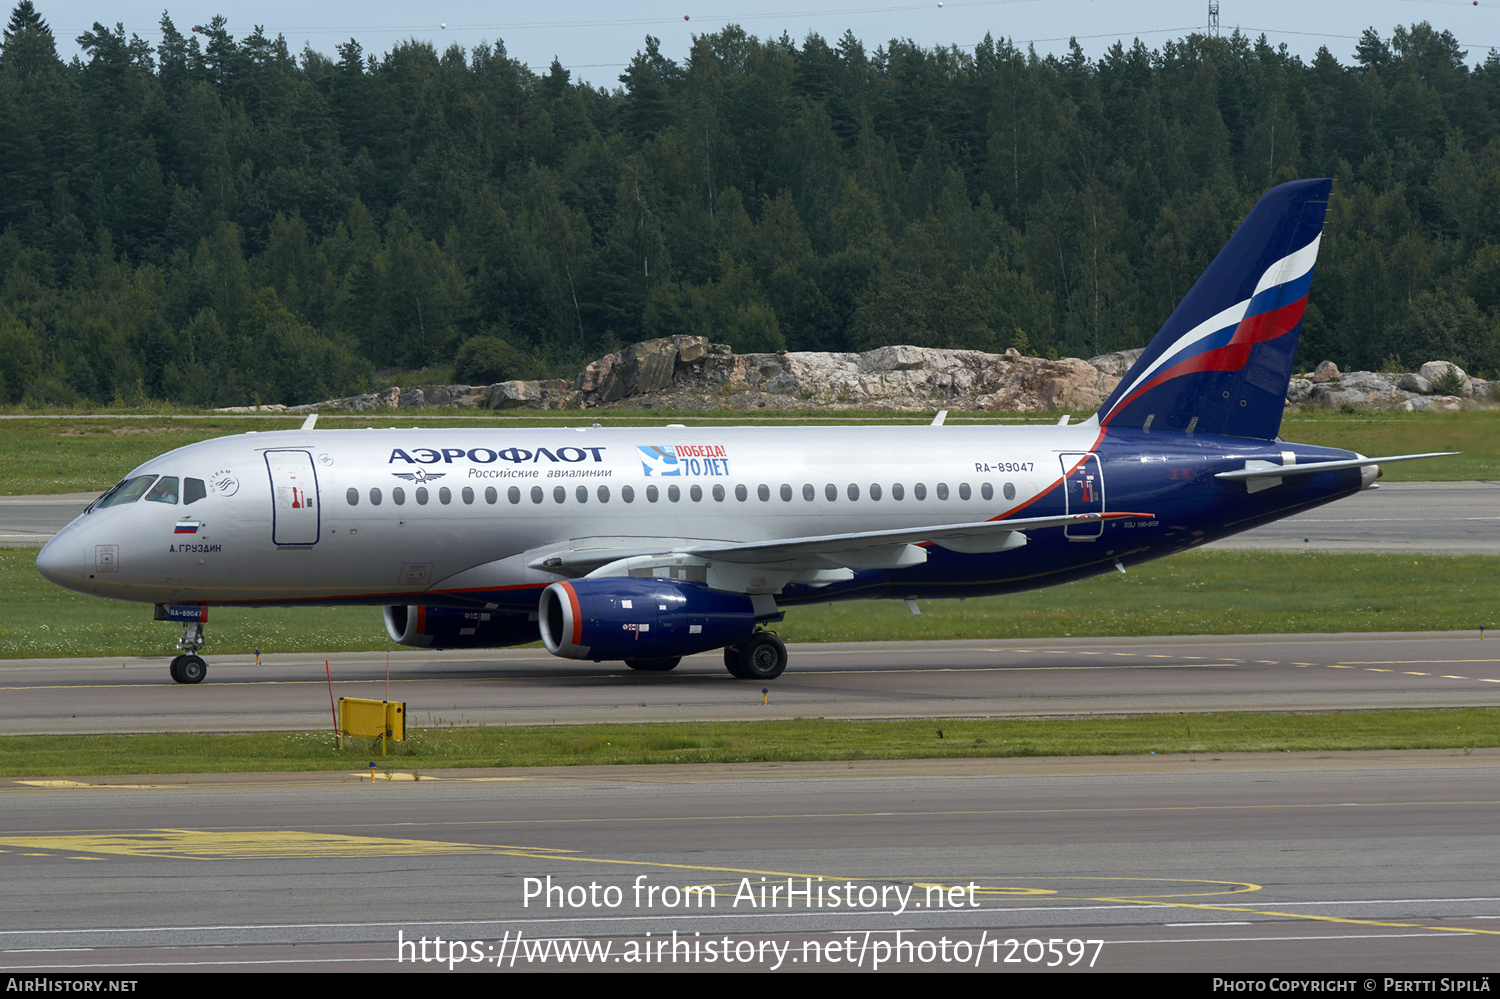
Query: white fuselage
pixel 370 515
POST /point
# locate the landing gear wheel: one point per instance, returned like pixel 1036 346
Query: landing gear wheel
pixel 732 662
pixel 762 657
pixel 653 665
pixel 176 668
pixel 190 669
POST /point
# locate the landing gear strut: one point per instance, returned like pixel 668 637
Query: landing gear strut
pixel 189 667
pixel 760 657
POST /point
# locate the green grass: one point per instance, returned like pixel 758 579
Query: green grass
pixel 82 453
pixel 1195 593
pixel 1476 434
pixel 430 750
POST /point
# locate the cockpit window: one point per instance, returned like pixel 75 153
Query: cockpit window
pixel 165 491
pixel 127 491
pixel 193 490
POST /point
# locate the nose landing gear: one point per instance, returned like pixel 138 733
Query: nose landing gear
pixel 189 667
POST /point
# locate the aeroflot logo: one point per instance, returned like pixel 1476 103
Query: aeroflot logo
pixel 486 456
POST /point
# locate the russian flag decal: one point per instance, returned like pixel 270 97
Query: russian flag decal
pixel 186 527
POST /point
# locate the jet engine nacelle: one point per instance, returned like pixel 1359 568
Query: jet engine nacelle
pixel 641 618
pixel 451 628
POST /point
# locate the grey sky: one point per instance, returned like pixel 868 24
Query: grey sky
pixel 596 39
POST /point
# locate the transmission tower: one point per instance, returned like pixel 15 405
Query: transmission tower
pixel 1213 18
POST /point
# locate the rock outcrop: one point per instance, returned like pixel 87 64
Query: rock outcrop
pixel 683 372
pixel 1409 391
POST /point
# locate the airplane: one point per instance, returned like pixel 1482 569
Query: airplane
pixel 648 544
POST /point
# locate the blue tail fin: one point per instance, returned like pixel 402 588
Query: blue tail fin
pixel 1221 363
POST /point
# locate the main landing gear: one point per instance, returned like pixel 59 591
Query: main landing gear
pixel 189 667
pixel 762 656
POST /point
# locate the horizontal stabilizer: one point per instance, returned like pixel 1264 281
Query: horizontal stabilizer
pixel 1280 471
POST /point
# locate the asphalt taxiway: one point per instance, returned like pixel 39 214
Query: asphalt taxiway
pixel 866 680
pixel 1364 862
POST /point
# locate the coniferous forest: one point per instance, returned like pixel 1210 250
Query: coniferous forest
pixel 219 221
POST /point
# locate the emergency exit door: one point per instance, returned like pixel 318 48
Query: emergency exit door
pixel 295 518
pixel 1083 489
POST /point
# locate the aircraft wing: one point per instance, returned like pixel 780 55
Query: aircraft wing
pixel 975 536
pixel 865 549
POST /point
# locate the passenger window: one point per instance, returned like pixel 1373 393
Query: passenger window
pixel 652 495
pixel 696 492
pixel 559 494
pixel 583 494
pixel 352 496
pixel 987 491
pixel 627 493
pixel 741 493
pixel 786 493
pixel 445 496
pixel 1010 491
pixel 421 496
pixel 468 495
pixel 831 491
pixel 536 494
pixel 898 493
pixel 919 491
pixel 942 490
pixel 165 491
pixel 398 496
pixel 874 490
pixel 603 494
pixel 674 494
pixel 374 497
pixel 718 493
pixel 853 491
pixel 194 490
pixel 764 492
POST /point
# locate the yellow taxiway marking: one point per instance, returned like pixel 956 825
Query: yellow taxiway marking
pixel 197 844
pixel 396 775
pixel 1301 915
pixel 1229 887
pixel 1418 662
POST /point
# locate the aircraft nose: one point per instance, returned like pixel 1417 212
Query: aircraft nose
pixel 61 560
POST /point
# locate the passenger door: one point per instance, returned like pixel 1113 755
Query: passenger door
pixel 295 517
